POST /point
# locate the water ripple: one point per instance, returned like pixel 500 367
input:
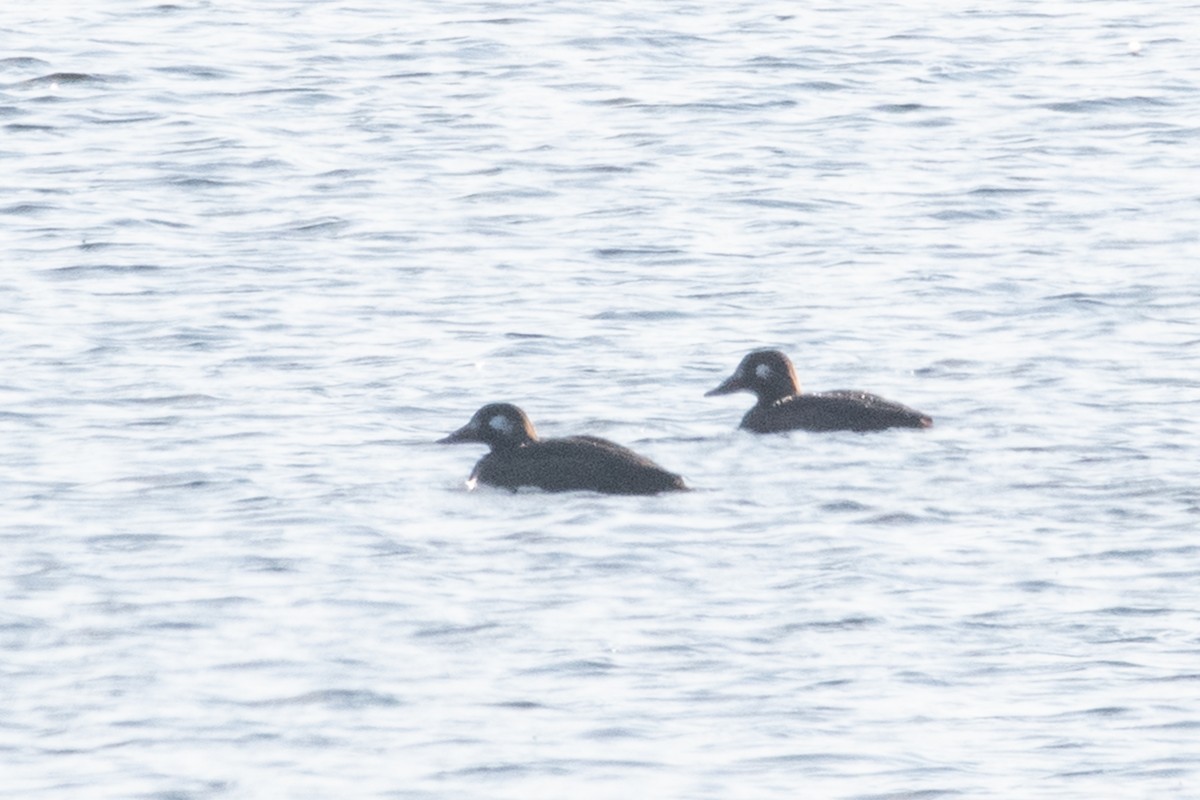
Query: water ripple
pixel 260 259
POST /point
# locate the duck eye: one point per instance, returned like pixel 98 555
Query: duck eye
pixel 501 424
pixel 762 371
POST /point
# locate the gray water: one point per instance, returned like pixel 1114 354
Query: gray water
pixel 257 257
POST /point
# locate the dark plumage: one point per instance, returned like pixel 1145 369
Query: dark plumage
pixel 519 458
pixel 769 374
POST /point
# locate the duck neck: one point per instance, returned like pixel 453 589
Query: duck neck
pixel 773 393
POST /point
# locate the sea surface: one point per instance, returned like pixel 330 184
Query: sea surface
pixel 258 257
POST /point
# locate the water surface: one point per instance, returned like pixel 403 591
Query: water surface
pixel 258 259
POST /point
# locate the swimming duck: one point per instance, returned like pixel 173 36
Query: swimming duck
pixel 770 376
pixel 519 458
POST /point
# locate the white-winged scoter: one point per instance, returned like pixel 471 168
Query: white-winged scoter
pixel 519 458
pixel 769 375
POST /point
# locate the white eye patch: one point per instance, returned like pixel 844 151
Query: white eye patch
pixel 762 371
pixel 501 424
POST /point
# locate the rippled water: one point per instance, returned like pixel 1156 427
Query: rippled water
pixel 258 258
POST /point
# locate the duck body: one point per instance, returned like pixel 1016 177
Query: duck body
pixel 519 458
pixel 781 406
pixel 839 410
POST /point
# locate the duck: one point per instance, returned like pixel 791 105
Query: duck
pixel 781 406
pixel 518 458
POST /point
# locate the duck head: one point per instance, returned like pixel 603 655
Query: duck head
pixel 766 373
pixel 498 425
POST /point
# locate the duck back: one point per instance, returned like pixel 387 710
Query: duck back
pixel 576 462
pixel 837 410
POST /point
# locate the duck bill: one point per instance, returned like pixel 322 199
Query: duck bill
pixel 728 386
pixel 467 433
